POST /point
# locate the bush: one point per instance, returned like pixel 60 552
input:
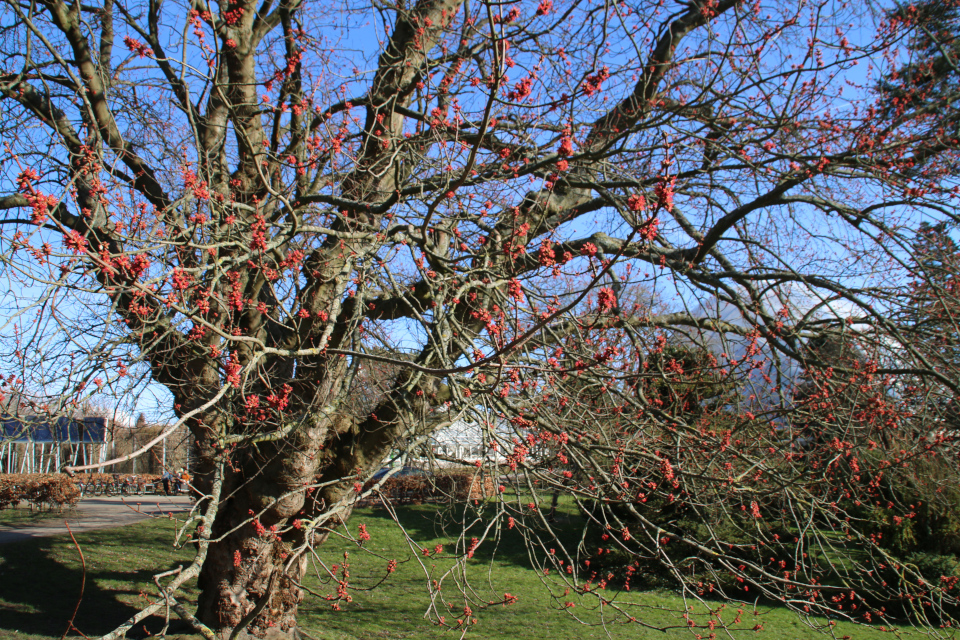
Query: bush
pixel 916 514
pixel 944 568
pixel 53 490
pixel 441 487
pixel 10 493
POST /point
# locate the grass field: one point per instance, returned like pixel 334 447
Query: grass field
pixel 24 515
pixel 40 583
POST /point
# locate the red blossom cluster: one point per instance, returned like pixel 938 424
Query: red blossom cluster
pixel 593 83
pixel 665 191
pixel 135 46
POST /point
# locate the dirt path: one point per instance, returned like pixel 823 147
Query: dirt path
pixel 98 513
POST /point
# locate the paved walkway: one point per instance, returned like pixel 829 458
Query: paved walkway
pixel 98 513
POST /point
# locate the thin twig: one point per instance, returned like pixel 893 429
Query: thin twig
pixel 83 583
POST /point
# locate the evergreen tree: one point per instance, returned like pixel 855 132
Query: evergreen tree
pixel 931 76
pixel 922 94
pixel 934 306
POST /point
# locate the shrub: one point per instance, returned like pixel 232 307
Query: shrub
pixel 39 489
pixel 913 513
pixel 441 487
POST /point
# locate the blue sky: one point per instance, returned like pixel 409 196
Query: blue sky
pixel 356 46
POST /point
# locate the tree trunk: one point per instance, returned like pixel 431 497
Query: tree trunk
pixel 246 581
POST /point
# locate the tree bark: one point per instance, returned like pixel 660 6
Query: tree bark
pixel 246 581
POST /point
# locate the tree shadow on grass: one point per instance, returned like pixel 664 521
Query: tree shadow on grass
pixel 40 580
pixel 445 523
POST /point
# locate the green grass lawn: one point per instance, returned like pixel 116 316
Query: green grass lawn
pixel 24 515
pixel 40 582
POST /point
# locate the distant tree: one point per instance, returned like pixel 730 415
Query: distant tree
pixel 935 296
pixel 923 92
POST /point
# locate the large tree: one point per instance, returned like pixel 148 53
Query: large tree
pixel 252 205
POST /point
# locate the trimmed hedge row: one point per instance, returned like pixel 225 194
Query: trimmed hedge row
pixel 59 490
pixel 51 489
pixel 105 478
pixel 444 487
pixel 54 489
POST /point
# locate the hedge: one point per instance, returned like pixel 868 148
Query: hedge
pixel 442 487
pixel 52 489
pixel 59 490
